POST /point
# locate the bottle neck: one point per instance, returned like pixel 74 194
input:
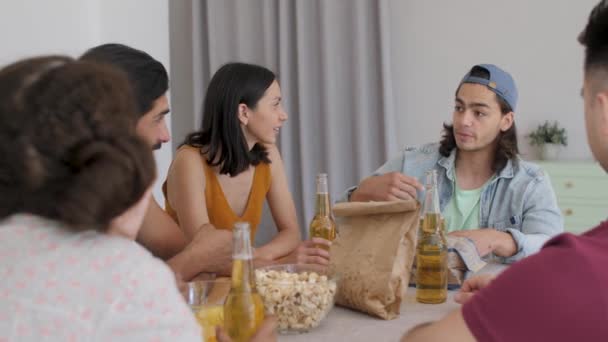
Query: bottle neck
pixel 431 212
pixel 322 202
pixel 322 206
pixel 431 198
pixel 431 201
pixel 431 223
pixel 241 241
pixel 242 258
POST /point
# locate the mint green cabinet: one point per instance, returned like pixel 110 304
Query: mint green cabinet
pixel 582 192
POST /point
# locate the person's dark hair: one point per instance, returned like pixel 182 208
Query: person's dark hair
pixel 67 141
pixel 595 39
pixel 507 147
pixel 147 76
pixel 221 138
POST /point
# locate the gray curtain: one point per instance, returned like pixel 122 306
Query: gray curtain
pixel 332 58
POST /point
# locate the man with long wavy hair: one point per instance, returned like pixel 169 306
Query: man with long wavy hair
pixel 546 296
pixel 505 205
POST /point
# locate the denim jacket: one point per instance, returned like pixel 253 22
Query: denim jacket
pixel 519 200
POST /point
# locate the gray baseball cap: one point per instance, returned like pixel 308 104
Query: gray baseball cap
pixel 500 82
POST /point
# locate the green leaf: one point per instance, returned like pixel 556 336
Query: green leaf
pixel 548 133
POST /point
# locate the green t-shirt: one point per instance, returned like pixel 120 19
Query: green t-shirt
pixel 462 212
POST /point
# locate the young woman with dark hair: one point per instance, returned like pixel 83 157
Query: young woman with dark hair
pixel 224 172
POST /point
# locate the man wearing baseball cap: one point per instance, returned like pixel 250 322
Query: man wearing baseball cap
pixel 558 294
pixel 505 205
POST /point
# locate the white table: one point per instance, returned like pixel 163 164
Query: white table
pixel 347 325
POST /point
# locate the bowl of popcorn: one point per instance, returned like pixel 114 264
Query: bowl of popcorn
pixel 300 296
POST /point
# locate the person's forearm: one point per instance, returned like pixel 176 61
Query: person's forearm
pixel 527 244
pixel 195 259
pixel 284 243
pixel 357 196
pixel 452 327
pixel 163 246
pixel 505 245
pixel 186 264
pixel 362 192
pixel 160 234
pixel 416 334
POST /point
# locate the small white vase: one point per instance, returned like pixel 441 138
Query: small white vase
pixel 550 151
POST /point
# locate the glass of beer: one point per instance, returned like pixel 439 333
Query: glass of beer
pixel 206 300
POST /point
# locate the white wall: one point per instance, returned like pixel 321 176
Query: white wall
pixel 143 24
pixel 434 43
pixel 32 27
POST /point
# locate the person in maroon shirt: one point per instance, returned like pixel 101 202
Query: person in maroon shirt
pixel 560 293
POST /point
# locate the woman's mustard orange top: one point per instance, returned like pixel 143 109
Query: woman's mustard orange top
pixel 219 211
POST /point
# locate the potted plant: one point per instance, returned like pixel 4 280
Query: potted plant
pixel 549 138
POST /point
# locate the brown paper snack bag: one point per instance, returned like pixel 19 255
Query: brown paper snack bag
pixel 373 254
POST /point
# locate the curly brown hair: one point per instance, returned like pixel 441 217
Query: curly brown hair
pixel 67 141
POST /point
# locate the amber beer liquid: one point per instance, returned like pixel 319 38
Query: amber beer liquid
pixel 323 224
pixel 244 309
pixel 431 251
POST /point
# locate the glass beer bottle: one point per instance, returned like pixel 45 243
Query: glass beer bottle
pixel 432 249
pixel 244 309
pixel 323 224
